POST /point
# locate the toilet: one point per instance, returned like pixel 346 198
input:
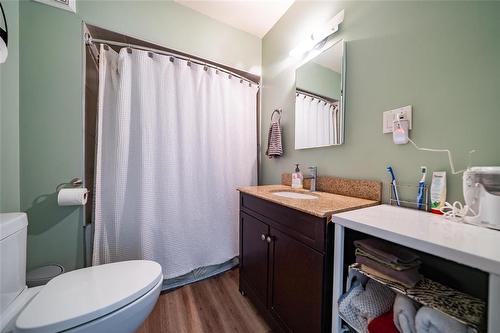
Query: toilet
pixel 115 297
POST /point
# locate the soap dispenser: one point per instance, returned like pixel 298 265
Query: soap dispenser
pixel 297 178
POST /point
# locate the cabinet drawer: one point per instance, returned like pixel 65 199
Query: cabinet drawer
pixel 306 228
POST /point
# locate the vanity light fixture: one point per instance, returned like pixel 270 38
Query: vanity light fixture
pixel 328 29
pixel 3 39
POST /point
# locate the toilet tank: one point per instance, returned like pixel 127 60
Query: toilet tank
pixel 13 232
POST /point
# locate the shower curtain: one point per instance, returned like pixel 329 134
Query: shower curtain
pixel 316 122
pixel 174 141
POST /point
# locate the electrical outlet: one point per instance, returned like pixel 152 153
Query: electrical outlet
pixel 389 116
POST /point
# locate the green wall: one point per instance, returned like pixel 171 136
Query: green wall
pixel 441 57
pixel 51 123
pixel 9 114
pixel 319 80
pixel 51 131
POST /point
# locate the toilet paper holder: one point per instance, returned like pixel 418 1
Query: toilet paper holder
pixel 75 182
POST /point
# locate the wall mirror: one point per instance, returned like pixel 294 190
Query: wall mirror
pixel 319 100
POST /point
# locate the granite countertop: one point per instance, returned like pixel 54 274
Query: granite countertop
pixel 326 204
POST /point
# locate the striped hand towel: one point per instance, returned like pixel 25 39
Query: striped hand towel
pixel 274 147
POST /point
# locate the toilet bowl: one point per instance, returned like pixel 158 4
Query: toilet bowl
pixel 114 297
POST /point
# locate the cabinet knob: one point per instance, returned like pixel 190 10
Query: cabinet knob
pixel 269 239
pixel 263 237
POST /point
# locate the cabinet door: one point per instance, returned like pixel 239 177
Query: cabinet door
pixel 254 256
pixel 296 283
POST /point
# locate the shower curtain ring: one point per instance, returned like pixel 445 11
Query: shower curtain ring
pixel 88 38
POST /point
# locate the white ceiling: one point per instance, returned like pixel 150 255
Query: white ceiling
pixel 253 16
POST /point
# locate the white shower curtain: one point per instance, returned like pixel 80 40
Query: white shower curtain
pixel 316 122
pixel 174 142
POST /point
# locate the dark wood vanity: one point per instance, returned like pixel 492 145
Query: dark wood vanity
pixel 286 265
pixel 286 249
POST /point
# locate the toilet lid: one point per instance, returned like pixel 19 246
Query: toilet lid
pixel 83 295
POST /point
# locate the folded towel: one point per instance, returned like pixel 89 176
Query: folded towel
pixel 274 146
pixel 355 276
pixel 383 324
pixel 377 299
pixel 387 252
pixel 397 267
pixel 408 278
pixel 349 313
pixel 359 305
pixel 432 321
pixel 385 278
pixel 405 310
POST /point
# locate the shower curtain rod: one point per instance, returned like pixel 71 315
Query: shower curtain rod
pixel 316 96
pixel 89 41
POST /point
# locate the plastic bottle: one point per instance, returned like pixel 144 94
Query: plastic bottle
pixel 297 178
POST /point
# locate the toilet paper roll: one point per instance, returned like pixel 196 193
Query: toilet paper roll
pixel 72 197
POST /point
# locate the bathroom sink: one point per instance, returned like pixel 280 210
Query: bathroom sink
pixel 295 195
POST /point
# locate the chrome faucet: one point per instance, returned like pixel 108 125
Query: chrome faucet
pixel 313 176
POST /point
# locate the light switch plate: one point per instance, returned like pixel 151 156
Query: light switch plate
pixel 390 115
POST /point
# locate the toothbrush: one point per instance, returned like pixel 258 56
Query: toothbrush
pixel 421 187
pixel 393 181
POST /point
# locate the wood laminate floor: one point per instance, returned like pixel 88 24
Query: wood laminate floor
pixel 211 306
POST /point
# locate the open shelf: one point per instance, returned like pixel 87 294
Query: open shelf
pixel 466 309
pixel 347 326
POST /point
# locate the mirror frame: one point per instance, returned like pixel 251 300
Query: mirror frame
pixel 313 54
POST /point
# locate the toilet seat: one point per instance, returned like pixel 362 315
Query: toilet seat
pixel 84 295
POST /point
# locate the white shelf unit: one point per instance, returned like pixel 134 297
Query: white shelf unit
pixel 468 245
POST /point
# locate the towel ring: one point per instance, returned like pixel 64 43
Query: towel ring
pixel 279 111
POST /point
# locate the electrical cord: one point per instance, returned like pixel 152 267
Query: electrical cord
pixel 456 211
pixel 450 158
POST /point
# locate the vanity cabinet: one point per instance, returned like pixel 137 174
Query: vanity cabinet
pixel 286 265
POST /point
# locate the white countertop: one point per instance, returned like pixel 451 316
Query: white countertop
pixel 466 244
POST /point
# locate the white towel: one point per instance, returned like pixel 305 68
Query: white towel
pixel 405 311
pixel 274 146
pixel 432 321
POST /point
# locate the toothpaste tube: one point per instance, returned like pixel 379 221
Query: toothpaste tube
pixel 438 191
